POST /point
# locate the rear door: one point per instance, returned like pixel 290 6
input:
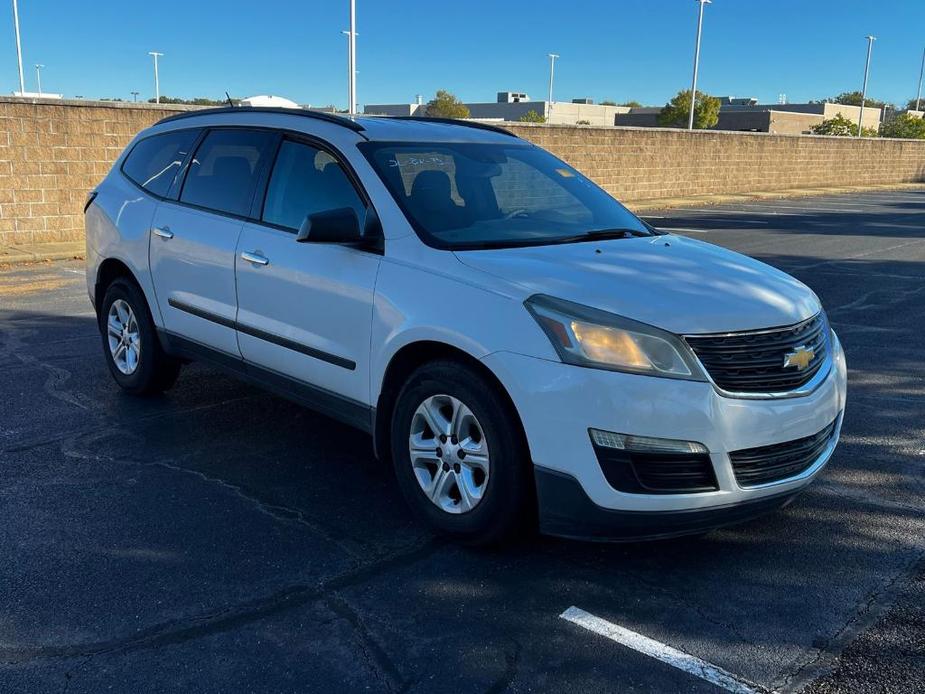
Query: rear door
pixel 305 309
pixel 193 239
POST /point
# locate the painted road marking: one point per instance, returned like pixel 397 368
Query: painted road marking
pixel 698 231
pixel 806 208
pixel 725 211
pixel 672 656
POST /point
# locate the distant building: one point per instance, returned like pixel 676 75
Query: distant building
pixel 780 119
pixel 512 106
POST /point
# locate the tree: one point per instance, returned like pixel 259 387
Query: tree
pixel 445 105
pixel 198 101
pixel 911 106
pixel 905 126
pixel 676 112
pixel 608 102
pixel 633 104
pixel 532 116
pixel 841 127
pixel 854 99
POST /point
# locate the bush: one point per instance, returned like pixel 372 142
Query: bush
pixel 906 126
pixel 841 127
pixel 446 105
pixel 677 111
pixel 531 116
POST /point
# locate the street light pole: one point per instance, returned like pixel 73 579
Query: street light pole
pixel 22 81
pixel 352 58
pixel 134 97
pixel 690 120
pixel 918 95
pixel 870 47
pixel 157 82
pixel 38 76
pixel 552 71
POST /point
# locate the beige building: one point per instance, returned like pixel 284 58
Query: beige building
pixel 512 106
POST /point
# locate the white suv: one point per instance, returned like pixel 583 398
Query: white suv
pixel 517 343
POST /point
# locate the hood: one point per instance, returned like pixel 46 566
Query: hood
pixel 672 282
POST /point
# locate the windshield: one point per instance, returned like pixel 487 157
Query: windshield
pixel 475 195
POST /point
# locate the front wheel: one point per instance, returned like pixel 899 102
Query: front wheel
pixel 134 356
pixel 459 454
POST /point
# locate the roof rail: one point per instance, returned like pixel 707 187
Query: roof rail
pixel 305 113
pixel 454 121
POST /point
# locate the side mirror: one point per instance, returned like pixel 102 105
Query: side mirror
pixel 331 226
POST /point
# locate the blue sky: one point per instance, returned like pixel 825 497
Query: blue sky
pixel 616 49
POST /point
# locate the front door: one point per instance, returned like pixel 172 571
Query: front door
pixel 193 241
pixel 305 309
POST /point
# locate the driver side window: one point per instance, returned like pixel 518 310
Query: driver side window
pixel 306 180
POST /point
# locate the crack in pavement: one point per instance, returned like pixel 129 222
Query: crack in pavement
pixel 878 602
pixel 389 674
pixel 230 618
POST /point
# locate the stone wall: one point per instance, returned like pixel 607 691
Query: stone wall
pixel 645 164
pixel 53 152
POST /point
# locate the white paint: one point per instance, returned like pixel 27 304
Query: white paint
pixel 654 649
pixel 805 208
pixel 696 231
pixel 765 214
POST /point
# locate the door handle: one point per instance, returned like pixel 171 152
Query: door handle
pixel 163 232
pixel 255 258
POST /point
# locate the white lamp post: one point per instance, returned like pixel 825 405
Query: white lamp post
pixel 157 82
pixel 870 47
pixel 22 81
pixel 690 120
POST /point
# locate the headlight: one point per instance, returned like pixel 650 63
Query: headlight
pixel 585 336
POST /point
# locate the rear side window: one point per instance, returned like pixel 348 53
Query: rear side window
pixel 154 162
pixel 307 180
pixel 225 169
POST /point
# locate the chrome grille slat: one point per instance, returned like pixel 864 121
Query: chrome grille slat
pixel 753 362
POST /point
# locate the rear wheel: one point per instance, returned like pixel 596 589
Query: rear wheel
pixel 130 345
pixel 459 454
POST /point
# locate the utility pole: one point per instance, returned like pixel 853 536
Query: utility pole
pixel 870 47
pixel 552 72
pixel 38 76
pixel 22 81
pixel 352 59
pixel 157 82
pixel 918 95
pixel 690 120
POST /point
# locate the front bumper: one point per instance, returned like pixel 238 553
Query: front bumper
pixel 558 403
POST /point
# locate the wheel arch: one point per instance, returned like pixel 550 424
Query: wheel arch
pixel 108 272
pixel 404 362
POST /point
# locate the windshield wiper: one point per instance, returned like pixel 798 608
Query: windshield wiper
pixel 602 235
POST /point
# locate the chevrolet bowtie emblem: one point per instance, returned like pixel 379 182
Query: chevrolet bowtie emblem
pixel 801 357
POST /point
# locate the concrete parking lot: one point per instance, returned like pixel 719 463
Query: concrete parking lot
pixel 222 539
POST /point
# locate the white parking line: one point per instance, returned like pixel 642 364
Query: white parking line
pixel 805 208
pixel 767 214
pixel 659 651
pixel 696 231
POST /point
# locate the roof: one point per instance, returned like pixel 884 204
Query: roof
pixel 374 128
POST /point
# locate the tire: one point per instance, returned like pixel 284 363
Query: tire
pixel 502 505
pixel 152 371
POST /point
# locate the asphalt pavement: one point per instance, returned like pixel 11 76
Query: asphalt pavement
pixel 221 539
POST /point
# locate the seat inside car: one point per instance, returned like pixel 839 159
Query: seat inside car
pixel 432 201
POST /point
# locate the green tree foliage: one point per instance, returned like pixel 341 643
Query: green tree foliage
pixel 608 102
pixel 633 104
pixel 854 99
pixel 446 105
pixel 842 127
pixel 198 101
pixel 532 116
pixel 904 125
pixel 910 106
pixel 675 113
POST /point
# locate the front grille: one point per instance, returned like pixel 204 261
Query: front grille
pixel 753 362
pixel 766 464
pixel 656 473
